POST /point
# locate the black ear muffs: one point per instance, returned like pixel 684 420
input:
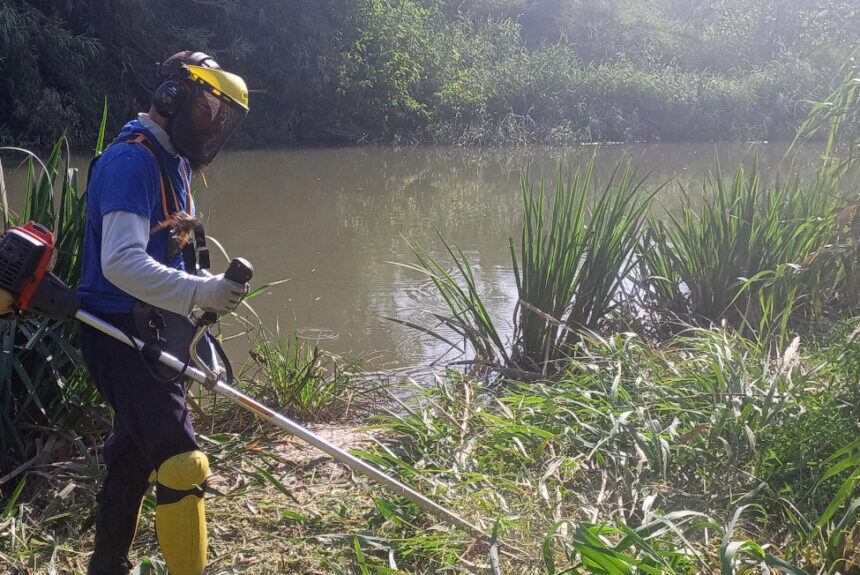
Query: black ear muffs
pixel 168 98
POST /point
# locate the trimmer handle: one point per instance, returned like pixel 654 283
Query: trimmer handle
pixel 240 271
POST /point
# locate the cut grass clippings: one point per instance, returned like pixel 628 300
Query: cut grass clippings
pixel 275 506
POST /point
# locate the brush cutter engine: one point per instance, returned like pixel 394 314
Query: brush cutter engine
pixel 26 283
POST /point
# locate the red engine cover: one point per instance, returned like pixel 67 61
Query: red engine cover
pixel 36 234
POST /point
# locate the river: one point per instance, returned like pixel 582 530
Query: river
pixel 335 223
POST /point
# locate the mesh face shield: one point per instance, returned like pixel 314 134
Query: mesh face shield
pixel 203 124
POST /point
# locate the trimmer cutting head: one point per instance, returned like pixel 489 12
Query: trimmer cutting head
pixel 26 281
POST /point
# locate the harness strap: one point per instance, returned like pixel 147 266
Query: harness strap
pixel 170 204
pixel 169 201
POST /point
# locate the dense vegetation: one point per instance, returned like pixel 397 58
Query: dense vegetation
pixel 464 71
pixel 42 378
pixel 716 427
pixel 680 396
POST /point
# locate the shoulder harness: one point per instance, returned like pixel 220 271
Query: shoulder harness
pixel 186 233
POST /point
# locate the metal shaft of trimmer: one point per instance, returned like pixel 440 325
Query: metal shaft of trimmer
pixel 292 427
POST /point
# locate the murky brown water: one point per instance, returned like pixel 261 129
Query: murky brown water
pixel 334 220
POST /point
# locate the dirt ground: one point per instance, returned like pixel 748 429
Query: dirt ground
pixel 278 506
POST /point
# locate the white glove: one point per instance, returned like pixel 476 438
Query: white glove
pixel 218 294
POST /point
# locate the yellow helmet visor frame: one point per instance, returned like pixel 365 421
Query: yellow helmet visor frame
pixel 225 85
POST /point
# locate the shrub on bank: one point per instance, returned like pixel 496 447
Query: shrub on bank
pixel 551 97
pixel 763 256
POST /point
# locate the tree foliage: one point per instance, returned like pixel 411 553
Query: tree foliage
pixel 465 71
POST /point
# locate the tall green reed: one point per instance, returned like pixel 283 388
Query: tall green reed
pixel 840 517
pixel 42 376
pixel 755 254
pixel 575 252
pixel 470 318
pixel 770 258
pixel 837 118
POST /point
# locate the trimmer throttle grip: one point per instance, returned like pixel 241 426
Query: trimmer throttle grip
pixel 240 271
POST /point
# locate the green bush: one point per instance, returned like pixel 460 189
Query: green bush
pixel 297 378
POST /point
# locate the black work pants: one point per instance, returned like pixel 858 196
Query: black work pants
pixel 151 424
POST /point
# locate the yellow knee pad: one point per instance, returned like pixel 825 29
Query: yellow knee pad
pixel 180 519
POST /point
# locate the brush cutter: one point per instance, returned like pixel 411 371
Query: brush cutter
pixel 28 286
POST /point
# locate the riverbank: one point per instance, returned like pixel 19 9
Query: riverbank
pixel 699 454
pixel 280 507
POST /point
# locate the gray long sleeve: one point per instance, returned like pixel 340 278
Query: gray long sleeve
pixel 126 264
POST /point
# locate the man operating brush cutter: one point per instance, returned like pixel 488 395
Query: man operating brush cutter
pixel 142 273
pixel 143 277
